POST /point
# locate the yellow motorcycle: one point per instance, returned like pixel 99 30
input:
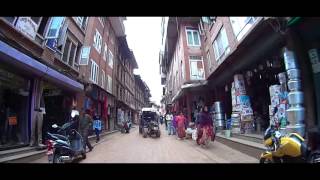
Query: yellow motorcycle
pixel 288 148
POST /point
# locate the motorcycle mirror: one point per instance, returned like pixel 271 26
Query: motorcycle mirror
pixel 54 126
pixel 74 113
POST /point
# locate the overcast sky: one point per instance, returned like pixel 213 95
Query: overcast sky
pixel 144 38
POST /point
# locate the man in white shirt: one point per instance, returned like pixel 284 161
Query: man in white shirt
pixel 169 119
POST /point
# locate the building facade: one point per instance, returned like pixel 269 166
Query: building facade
pixel 38 71
pixel 243 58
pixel 142 95
pixel 50 65
pixel 125 84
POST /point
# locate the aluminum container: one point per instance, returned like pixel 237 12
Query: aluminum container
pixel 282 78
pixel 219 123
pixel 296 114
pixel 218 107
pixel 294 74
pixel 218 116
pixel 295 97
pixel 294 85
pixel 296 128
pixel 289 60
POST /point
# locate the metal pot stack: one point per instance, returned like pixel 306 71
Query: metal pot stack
pixel 219 116
pixel 235 122
pixel 296 111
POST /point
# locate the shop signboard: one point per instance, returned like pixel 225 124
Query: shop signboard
pixel 12 120
pixel 244 101
pixel 274 90
pixel 238 77
pixel 247 111
pixel 314 58
pixel 27 27
pixel 275 100
pixel 281 111
pixel 53 92
pixel 271 110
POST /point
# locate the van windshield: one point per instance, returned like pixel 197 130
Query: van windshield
pixel 147 115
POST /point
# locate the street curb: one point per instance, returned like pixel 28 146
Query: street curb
pixel 252 149
pixel 32 156
pixel 93 137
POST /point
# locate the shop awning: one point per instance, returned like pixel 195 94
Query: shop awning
pixel 26 63
pixel 189 86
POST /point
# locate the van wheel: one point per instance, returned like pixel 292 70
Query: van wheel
pixel 84 156
pixel 158 134
pixel 144 134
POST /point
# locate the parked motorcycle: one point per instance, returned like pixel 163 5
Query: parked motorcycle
pixel 286 148
pixel 67 144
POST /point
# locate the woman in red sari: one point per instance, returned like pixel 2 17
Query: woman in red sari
pixel 205 127
pixel 181 120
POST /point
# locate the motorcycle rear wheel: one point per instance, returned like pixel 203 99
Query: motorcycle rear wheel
pixel 57 159
pixel 266 161
pixel 314 157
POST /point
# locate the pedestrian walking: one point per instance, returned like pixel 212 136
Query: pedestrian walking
pixel 174 123
pixel 85 126
pixel 205 126
pixel 181 120
pixel 97 126
pixel 169 118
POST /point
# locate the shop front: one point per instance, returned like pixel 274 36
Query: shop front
pixel 277 82
pixel 190 98
pixel 101 103
pixel 26 85
pixel 15 98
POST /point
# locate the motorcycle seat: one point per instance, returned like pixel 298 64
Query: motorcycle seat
pixel 58 136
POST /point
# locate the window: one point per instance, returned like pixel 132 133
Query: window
pixel 36 19
pixel 110 59
pixel 209 20
pixel 102 20
pixel 69 54
pixel 221 45
pixel 97 41
pixel 42 26
pixel 55 25
pixel 84 58
pixel 82 22
pixel 105 52
pixel 196 68
pixel 241 25
pixel 103 79
pixel 94 73
pixel 193 38
pixel 109 85
pixel 11 19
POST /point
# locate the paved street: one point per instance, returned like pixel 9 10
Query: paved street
pixel 133 148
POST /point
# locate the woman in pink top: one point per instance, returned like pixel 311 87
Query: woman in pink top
pixel 181 120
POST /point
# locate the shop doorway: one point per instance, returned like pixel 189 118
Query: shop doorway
pixel 258 79
pixel 15 94
pixel 58 104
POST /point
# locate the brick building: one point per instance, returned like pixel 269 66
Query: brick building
pixel 251 47
pixel 58 63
